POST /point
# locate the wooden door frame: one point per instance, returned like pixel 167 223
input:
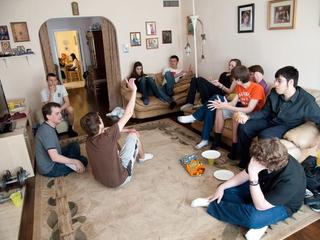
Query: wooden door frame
pixel 111 53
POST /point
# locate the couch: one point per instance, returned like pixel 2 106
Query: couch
pixel 155 106
pixel 301 141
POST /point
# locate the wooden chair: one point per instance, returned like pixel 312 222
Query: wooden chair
pixel 74 75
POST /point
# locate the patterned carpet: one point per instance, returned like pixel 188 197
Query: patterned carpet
pixel 154 205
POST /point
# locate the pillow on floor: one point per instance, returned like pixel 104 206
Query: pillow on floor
pixel 303 136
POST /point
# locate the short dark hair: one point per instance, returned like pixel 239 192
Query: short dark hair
pixel 270 152
pixel 90 123
pixel 175 56
pixel 289 72
pixel 256 68
pixel 240 73
pixel 237 61
pixel 47 109
pixel 51 75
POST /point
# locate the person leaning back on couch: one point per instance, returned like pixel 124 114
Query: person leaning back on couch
pixel 287 106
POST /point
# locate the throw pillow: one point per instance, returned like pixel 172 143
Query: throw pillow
pixel 303 136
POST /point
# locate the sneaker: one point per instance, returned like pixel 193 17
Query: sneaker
pixel 172 105
pixel 185 106
pixel 315 207
pixel 200 202
pixel 186 119
pixel 202 144
pixel 145 101
pixel 72 133
pixel 147 156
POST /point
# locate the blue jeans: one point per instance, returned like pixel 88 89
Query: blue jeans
pixel 71 150
pixel 207 116
pixel 147 87
pixel 170 83
pixel 258 127
pixel 236 207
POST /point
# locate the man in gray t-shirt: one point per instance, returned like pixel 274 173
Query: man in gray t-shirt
pixel 51 159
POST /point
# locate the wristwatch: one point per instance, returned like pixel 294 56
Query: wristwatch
pixel 254 183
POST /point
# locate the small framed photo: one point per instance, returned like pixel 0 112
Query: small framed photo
pixel 246 18
pixel 189 26
pixel 4 34
pixel 151 28
pixel 20 31
pixel 5 47
pixel 135 39
pixel 152 43
pixel 75 8
pixel 166 36
pixel 281 14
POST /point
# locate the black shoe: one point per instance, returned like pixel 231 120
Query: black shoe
pixel 172 105
pixel 72 133
pixel 232 156
pixel 216 142
pixel 315 207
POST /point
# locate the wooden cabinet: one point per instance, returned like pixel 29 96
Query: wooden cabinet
pixel 16 148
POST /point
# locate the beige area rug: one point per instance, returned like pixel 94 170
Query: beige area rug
pixel 154 205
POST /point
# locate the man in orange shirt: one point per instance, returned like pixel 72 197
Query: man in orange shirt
pixel 250 97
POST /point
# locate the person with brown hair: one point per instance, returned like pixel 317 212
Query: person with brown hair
pixel 269 190
pixel 109 167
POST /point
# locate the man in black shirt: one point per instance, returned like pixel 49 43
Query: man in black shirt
pixel 287 107
pixel 271 189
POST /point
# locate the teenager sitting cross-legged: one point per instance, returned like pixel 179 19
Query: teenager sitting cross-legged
pixel 269 190
pixel 249 97
pixel 109 167
pixel 208 88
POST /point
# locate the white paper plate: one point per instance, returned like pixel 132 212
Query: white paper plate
pixel 223 174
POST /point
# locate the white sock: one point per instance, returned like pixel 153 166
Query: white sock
pixel 202 144
pixel 256 234
pixel 147 156
pixel 186 119
pixel 185 106
pixel 200 202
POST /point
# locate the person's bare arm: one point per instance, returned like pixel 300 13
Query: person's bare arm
pixel 130 107
pixel 66 103
pixel 56 157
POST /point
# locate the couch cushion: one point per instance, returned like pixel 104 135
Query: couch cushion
pixel 304 136
pixel 293 150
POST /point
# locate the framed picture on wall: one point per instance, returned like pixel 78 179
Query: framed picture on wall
pixel 20 31
pixel 151 28
pixel 4 34
pixel 152 43
pixel 75 8
pixel 135 39
pixel 5 47
pixel 281 14
pixel 166 36
pixel 246 18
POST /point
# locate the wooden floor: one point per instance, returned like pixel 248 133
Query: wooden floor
pixel 84 101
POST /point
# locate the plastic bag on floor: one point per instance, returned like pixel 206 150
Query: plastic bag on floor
pixel 116 112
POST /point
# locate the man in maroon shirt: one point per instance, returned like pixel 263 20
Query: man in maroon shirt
pixel 109 167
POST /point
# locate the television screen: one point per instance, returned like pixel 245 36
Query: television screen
pixel 4 110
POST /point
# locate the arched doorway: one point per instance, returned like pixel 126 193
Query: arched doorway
pixel 111 57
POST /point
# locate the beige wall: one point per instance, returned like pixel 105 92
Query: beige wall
pixel 272 49
pixel 23 79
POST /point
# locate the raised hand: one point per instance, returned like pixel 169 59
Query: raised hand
pixel 242 118
pixel 131 84
pixel 218 104
pixel 217 195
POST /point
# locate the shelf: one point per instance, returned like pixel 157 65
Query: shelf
pixel 26 56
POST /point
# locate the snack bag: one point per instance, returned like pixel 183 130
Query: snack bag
pixel 193 166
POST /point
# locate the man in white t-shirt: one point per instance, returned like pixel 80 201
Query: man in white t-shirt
pixel 58 94
pixel 171 75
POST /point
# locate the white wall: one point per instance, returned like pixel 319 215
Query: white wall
pixel 272 49
pixel 21 79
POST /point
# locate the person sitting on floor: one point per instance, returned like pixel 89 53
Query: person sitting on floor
pixel 146 84
pixel 208 88
pixel 269 190
pixel 287 106
pixel 256 75
pixel 108 166
pixel 171 75
pixel 58 93
pixel 249 97
pixel 51 159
